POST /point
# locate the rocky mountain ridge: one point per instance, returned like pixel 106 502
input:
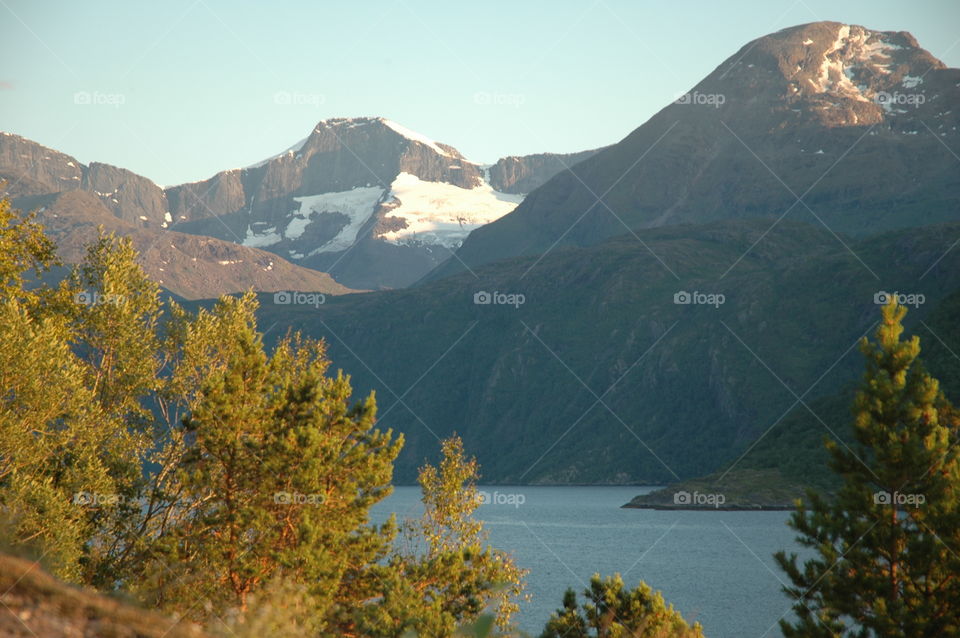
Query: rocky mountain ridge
pixel 190 266
pixel 366 199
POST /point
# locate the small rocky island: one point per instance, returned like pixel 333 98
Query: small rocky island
pixel 744 490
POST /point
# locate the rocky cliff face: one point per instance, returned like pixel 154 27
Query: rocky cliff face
pixel 856 122
pixel 373 203
pixel 131 197
pixel 339 155
pixel 31 169
pixel 528 172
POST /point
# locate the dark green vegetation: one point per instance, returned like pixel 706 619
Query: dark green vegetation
pixel 791 457
pixel 686 395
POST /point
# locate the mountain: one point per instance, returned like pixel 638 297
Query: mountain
pixel 31 169
pixel 190 266
pixel 373 203
pixel 73 199
pixel 857 123
pixel 522 174
pixel 523 363
pixel 790 458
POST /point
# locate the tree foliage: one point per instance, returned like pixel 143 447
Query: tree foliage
pixel 73 368
pixel 886 548
pixel 613 611
pixel 278 473
pixel 149 450
pixel 444 574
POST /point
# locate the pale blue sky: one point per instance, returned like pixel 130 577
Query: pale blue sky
pixel 199 79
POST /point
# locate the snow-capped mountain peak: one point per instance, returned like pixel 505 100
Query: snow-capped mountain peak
pixel 354 186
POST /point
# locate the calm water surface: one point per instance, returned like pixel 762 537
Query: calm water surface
pixel 715 567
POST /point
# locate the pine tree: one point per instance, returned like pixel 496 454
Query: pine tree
pixel 278 476
pixel 886 547
pixel 612 611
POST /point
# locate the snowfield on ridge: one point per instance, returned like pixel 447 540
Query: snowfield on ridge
pixel 441 213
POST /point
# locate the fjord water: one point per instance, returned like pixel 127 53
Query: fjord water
pixel 715 567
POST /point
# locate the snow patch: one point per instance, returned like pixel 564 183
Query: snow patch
pixel 910 81
pixel 416 137
pixel 261 239
pixel 850 51
pixel 357 204
pixel 441 213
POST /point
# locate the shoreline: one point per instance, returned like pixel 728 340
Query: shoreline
pixel 721 508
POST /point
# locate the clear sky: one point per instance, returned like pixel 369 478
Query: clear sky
pixel 180 89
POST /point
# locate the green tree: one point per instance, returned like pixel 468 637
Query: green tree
pixel 44 408
pixel 114 311
pixel 147 449
pixel 612 611
pixel 70 464
pixel 443 574
pixel 886 547
pixel 278 474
